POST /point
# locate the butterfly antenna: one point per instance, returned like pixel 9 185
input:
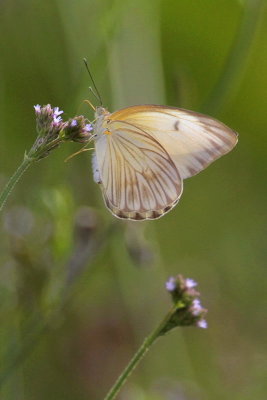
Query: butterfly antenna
pixel 97 95
pixel 92 90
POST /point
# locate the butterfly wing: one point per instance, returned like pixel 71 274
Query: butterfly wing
pixel 192 140
pixel 138 177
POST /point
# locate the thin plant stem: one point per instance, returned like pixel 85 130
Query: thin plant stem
pixel 14 180
pixel 147 343
pixel 33 156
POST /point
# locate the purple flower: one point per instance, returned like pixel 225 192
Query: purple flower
pixel 190 283
pixel 197 307
pixel 202 324
pixel 48 121
pixel 88 128
pixel 171 284
pixel 57 112
pixel 77 129
pixel 48 126
pixel 73 123
pixel 37 108
pixel 188 310
pixel 57 119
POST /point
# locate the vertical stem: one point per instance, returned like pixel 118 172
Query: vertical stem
pixel 138 357
pixel 237 59
pixel 14 179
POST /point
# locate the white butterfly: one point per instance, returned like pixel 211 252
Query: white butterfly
pixel 143 153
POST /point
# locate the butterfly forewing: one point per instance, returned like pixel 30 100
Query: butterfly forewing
pixel 192 140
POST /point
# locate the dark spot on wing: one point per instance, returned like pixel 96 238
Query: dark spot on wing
pixel 138 217
pixel 121 214
pixel 176 125
pixel 156 214
pixel 167 208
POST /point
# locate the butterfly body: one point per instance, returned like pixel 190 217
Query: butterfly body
pixel 143 153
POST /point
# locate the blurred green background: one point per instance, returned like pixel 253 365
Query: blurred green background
pixel 79 289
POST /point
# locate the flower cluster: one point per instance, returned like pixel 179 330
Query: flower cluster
pixel 52 130
pixel 187 310
pixel 48 120
pixel 78 129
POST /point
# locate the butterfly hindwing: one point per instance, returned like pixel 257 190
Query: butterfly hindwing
pixel 139 179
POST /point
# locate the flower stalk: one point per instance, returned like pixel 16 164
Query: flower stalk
pixel 146 345
pixel 27 161
pixel 186 311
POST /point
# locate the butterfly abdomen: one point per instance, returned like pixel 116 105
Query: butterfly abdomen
pixel 96 172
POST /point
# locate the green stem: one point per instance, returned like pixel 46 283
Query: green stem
pixel 138 356
pixel 34 154
pixel 14 179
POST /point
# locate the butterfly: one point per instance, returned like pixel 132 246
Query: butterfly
pixel 143 153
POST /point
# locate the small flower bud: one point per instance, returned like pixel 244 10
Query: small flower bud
pixel 171 284
pixel 188 310
pixel 78 129
pixel 202 324
pixel 190 283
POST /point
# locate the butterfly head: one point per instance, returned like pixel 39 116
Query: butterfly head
pixel 101 118
pixel 100 111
